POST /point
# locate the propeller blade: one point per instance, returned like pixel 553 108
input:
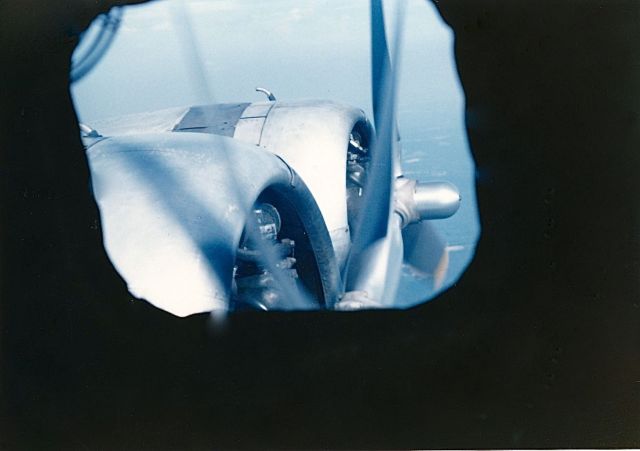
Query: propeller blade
pixel 426 251
pixel 380 61
pixel 380 65
pixel 376 252
pixel 190 52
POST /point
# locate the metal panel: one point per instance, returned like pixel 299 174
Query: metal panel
pixel 217 119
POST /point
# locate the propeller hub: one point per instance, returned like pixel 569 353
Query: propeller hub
pixel 418 201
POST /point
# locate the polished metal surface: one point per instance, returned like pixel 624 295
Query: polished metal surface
pixel 420 201
pixel 436 200
pixel 173 208
pixel 312 136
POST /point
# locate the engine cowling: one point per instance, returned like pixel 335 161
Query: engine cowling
pixel 174 207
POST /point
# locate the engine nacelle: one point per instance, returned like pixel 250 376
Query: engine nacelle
pixel 174 207
pixel 313 137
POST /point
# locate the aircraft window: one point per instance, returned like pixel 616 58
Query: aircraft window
pixel 162 63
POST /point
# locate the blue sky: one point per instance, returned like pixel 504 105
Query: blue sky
pixel 314 48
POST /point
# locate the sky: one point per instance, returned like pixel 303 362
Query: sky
pixel 296 49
